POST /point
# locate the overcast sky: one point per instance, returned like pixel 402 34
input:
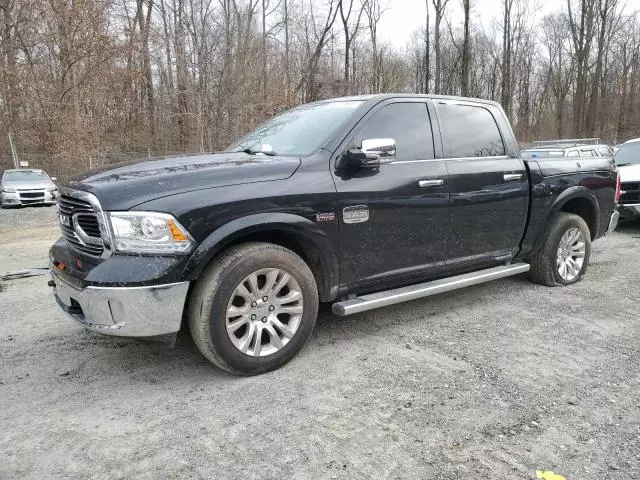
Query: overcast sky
pixel 403 17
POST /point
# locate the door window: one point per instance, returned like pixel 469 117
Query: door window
pixel 605 151
pixel 573 153
pixel 469 131
pixel 588 152
pixel 408 124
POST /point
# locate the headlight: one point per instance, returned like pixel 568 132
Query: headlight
pixel 149 232
pixel 52 188
pixel 8 190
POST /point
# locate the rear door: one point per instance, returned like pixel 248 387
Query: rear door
pixel 488 184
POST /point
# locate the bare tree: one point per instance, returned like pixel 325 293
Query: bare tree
pixel 439 7
pixel 159 76
pixel 374 10
pixel 350 33
pixel 582 26
pixel 308 84
pixel 466 50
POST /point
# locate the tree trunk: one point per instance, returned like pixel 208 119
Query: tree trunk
pixel 427 53
pixel 505 87
pixel 466 50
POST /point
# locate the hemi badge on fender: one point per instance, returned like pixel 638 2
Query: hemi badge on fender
pixel 325 217
pixel 355 214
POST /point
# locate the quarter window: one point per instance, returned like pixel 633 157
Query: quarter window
pixel 605 151
pixel 469 131
pixel 408 124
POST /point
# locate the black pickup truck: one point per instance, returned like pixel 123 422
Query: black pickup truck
pixel 361 202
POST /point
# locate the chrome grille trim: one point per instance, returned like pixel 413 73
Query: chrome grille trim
pixel 84 234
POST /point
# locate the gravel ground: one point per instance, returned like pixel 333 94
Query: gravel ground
pixel 495 381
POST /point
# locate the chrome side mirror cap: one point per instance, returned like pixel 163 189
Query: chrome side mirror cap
pixel 383 148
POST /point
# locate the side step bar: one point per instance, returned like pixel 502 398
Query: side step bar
pixel 405 294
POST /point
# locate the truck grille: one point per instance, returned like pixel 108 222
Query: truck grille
pixel 85 218
pixel 631 193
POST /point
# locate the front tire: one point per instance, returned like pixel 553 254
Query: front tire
pixel 253 308
pixel 564 257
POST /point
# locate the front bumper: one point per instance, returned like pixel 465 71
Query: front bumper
pixel 27 198
pixel 124 311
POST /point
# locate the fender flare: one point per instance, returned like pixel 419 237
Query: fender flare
pixel 304 229
pixel 565 197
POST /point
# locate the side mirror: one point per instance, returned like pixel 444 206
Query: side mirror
pixel 373 153
pixel 383 148
pixel 53 179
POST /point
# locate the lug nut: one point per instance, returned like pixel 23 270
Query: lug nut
pixel 264 319
pixel 271 308
pixel 253 317
pixel 254 304
pixel 264 299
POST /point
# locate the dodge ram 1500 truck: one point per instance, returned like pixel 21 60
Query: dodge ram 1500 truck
pixel 362 202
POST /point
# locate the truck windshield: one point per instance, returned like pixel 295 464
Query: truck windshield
pixel 628 154
pixel 299 131
pixel 25 176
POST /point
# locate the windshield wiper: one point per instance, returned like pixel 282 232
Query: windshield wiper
pixel 251 151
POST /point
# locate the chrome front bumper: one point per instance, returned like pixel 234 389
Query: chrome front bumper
pixel 124 311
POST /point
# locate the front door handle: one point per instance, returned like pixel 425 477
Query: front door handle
pixel 430 183
pixel 512 177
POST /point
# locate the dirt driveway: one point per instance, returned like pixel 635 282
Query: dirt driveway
pixel 496 381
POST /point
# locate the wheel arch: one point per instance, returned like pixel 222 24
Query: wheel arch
pixel 298 234
pixel 577 200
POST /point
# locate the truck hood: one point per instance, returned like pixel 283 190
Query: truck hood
pixel 123 186
pixel 629 173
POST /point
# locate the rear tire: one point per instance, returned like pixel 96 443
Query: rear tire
pixel 564 257
pixel 232 291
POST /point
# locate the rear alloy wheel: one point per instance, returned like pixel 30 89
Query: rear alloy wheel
pixel 564 257
pixel 571 252
pixel 253 308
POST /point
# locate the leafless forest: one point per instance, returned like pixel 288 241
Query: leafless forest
pixel 90 79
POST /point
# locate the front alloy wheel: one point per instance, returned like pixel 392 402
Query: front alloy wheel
pixel 264 312
pixel 253 308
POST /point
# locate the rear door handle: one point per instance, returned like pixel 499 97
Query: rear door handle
pixel 430 183
pixel 512 177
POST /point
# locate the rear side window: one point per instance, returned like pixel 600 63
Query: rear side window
pixel 588 153
pixel 573 153
pixel 408 124
pixel 605 151
pixel 469 131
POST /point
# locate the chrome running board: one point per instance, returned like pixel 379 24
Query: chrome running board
pixel 413 292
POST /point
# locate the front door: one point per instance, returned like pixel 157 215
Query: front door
pixel 393 220
pixel 489 186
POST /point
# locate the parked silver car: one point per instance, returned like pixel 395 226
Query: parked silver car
pixel 27 187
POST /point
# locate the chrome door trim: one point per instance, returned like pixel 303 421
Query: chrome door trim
pixel 457 159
